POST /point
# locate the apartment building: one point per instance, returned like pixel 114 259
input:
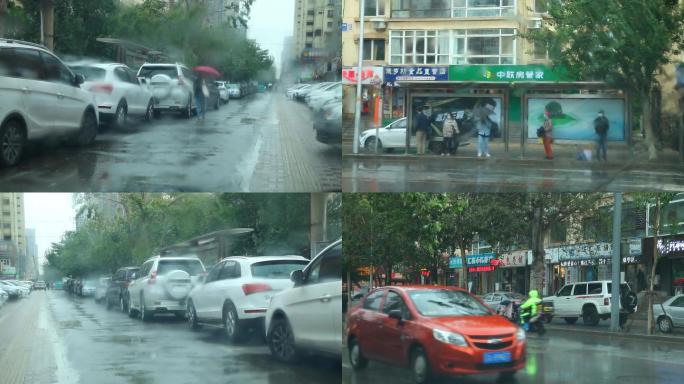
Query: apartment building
pixel 316 37
pixel 104 205
pixel 12 232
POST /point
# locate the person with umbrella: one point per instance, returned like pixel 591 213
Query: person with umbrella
pixel 201 90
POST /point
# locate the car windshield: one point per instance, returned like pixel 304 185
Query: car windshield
pixel 89 73
pixel 192 267
pixel 446 303
pixel 277 269
pixel 150 71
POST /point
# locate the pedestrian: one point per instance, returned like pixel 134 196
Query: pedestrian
pixel 449 130
pixel 601 127
pixel 484 129
pixel 548 135
pixel 201 93
pixel 422 130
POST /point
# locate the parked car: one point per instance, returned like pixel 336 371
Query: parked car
pixel 493 300
pixel 306 318
pixel 316 99
pixel 41 99
pixel 237 291
pixel 171 86
pixel 435 331
pixel 223 91
pixel 328 125
pixel 591 301
pixel 669 314
pixel 117 293
pixel 390 136
pixel 4 296
pixel 40 284
pixel 214 99
pixel 234 91
pixel 12 290
pixel 88 288
pixel 22 284
pixel 119 93
pixel 290 92
pixel 163 284
pixel 303 93
pixel 58 285
pixel 101 289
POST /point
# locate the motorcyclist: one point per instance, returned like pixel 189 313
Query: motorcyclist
pixel 528 309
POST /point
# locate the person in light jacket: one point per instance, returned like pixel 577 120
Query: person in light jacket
pixel 449 130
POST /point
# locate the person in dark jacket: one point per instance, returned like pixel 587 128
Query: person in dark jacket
pixel 422 130
pixel 200 97
pixel 601 127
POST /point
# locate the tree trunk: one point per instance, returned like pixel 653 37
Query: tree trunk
pixel 656 230
pixel 464 269
pixel 648 125
pixel 538 266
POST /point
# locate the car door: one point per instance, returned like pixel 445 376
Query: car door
pixel 71 100
pixel 578 299
pixel 367 318
pixel 396 134
pixel 561 301
pixel 136 285
pixel 225 287
pixel 676 311
pixel 39 97
pixel 200 297
pixel 139 92
pixel 390 335
pixel 113 289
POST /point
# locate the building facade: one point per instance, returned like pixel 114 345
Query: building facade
pixel 104 205
pixel 13 233
pixel 317 38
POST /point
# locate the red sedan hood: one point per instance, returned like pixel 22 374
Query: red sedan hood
pixel 476 325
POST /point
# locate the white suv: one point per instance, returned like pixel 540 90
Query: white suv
pixel 171 86
pixel 591 301
pixel 41 98
pixel 308 316
pixel 237 291
pixel 162 285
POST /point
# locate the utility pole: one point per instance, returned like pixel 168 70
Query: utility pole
pixel 357 113
pixel 615 294
pixel 3 17
pixel 47 17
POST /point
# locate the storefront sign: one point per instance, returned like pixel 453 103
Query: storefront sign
pixel 506 73
pixel 369 75
pixel 455 262
pixel 419 73
pixel 573 119
pixel 601 250
pixel 346 27
pixel 668 247
pixel 484 268
pixel 513 259
pixel 484 259
pixel 600 261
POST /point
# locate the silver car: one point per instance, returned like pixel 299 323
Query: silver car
pixel 669 314
pixel 495 298
pixel 162 285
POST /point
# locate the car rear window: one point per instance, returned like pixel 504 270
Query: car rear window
pixel 277 269
pixel 149 71
pixel 444 303
pixel 624 288
pixel 192 267
pixel 89 73
pixel 129 272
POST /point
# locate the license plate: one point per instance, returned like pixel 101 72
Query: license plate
pixel 497 357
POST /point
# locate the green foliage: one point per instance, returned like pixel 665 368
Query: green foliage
pixel 154 221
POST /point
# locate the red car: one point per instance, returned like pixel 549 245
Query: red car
pixel 435 331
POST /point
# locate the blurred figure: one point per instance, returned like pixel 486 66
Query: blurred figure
pixel 450 130
pixel 601 127
pixel 548 135
pixel 201 93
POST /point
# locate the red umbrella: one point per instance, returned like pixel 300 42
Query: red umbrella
pixel 207 70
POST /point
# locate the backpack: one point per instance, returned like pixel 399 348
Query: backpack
pixel 601 125
pixel 541 131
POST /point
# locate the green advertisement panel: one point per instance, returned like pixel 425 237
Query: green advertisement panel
pixel 573 119
pixel 507 73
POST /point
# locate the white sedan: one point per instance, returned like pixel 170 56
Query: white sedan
pixel 390 136
pixel 118 92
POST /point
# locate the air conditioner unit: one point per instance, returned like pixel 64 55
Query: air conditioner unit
pixel 534 23
pixel 379 24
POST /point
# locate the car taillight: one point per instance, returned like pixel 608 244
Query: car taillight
pixel 606 301
pixel 102 88
pixel 248 289
pixel 153 277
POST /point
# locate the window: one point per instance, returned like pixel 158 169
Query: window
pixel 541 6
pixel 5 213
pixel 5 201
pixel 55 71
pixel 213 274
pixel 393 301
pixel 540 51
pixel 317 32
pixel 276 269
pixel 28 64
pixel 330 13
pixel 421 8
pixel 310 12
pixel 565 291
pixel 679 302
pixel 372 302
pixel 482 8
pixel 310 23
pixel 374 8
pixel 419 47
pixel 484 46
pixel 595 288
pixel 309 34
pixel 374 49
pixel 7 62
pixel 121 74
pixel 327 266
pixel 580 289
pixel 6 225
pixel 496 298
pixel 230 270
pixel 330 24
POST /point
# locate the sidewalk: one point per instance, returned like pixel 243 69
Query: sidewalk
pixel 633 330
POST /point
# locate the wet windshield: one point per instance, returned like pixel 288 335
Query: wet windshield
pixel 445 303
pixel 276 269
pixel 89 73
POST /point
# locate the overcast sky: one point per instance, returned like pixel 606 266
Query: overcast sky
pixel 51 214
pixel 270 22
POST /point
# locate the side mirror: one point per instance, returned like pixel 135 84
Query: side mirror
pixel 78 79
pixel 142 80
pixel 297 277
pixel 396 314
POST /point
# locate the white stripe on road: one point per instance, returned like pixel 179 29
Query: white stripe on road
pixel 65 373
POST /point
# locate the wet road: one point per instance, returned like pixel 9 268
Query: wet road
pixel 561 357
pixel 439 174
pixel 51 337
pixel 262 143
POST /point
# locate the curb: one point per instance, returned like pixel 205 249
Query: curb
pixel 658 338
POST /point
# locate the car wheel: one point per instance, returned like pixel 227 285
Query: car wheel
pixel 369 145
pixel 12 142
pixel 281 341
pixel 132 313
pixel 121 116
pixel 420 366
pixel 145 315
pixel 629 301
pixel 86 135
pixel 122 305
pixel 665 325
pixel 570 320
pixel 590 316
pixel 191 315
pixel 356 358
pixel 150 113
pixel 188 109
pixel 218 103
pixel 231 323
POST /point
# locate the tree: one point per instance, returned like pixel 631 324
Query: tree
pixel 621 42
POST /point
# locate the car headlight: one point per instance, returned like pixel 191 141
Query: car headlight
pixel 520 334
pixel 452 338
